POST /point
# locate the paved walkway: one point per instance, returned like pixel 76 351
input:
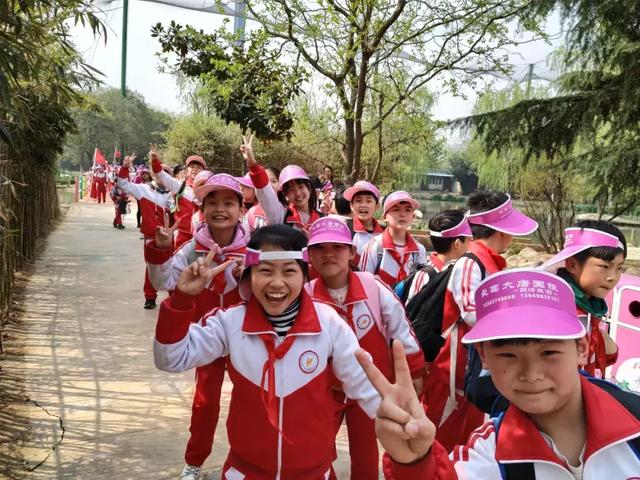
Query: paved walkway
pixel 83 399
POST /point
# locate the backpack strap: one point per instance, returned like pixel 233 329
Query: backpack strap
pixel 372 290
pixel 512 471
pixel 349 222
pixel 474 257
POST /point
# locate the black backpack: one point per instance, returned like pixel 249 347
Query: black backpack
pixel 526 471
pixel 425 310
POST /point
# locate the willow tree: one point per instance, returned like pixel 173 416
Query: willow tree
pixel 594 120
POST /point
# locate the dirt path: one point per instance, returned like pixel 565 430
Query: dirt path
pixel 81 396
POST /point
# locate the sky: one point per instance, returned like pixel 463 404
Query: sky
pixel 160 90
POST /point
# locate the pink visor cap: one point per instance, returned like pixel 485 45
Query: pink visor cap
pixel 524 303
pixel 221 181
pixel 329 230
pixel 505 219
pixel 578 239
pixel 254 257
pixel 398 197
pixel 291 172
pixel 201 178
pixel 361 186
pixel 246 181
pixel 196 159
pixel 460 230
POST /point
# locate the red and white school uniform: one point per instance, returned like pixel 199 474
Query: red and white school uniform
pixel 447 407
pixel 153 205
pixel 185 205
pixel 389 261
pixel 607 455
pixel 119 198
pixel 164 270
pixel 256 218
pixel 100 179
pixel 276 212
pixel 372 311
pixel 362 236
pixel 421 278
pixel 280 423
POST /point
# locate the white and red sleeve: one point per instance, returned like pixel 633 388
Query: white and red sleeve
pixel 180 345
pixel 267 197
pixel 369 260
pixel 343 361
pixel 463 283
pixel 165 268
pixel 399 328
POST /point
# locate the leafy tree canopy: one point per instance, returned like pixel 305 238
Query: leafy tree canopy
pixel 250 87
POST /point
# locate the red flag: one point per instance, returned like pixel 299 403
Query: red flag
pixel 98 158
pixel 117 154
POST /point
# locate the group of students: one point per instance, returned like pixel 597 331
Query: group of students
pixel 299 308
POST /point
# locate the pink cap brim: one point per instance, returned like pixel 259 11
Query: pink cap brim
pixel 351 192
pixel 526 322
pixel 516 223
pixel 564 254
pixel 414 203
pixel 246 181
pixel 295 177
pixel 198 161
pixel 202 191
pixel 328 237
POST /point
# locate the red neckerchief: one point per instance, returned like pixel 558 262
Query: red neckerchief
pixel 436 262
pixel 389 245
pixel 358 226
pixel 493 262
pixel 268 370
pixel 293 217
pixel 597 348
pixel 255 322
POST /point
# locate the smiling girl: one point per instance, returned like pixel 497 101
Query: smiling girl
pixel 223 238
pixel 394 254
pixel 301 210
pixel 282 348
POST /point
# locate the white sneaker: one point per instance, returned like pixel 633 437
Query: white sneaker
pixel 190 472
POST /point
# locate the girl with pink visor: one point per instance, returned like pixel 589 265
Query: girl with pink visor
pixel 301 211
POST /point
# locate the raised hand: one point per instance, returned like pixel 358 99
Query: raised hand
pixel 247 151
pixel 195 278
pixel 402 427
pixel 153 152
pixel 164 235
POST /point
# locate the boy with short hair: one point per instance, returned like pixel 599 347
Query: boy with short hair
pixel 394 255
pixel 591 263
pixel 363 199
pixel 374 313
pixel 559 424
pixel 450 233
pixel 493 221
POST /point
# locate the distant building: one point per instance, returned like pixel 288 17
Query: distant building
pixel 438 182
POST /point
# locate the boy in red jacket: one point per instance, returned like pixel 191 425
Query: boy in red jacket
pixel 493 222
pixel 374 313
pixel 560 424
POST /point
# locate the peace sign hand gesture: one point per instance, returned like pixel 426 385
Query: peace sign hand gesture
pixel 401 424
pixel 247 151
pixel 128 160
pixel 164 235
pixel 195 278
